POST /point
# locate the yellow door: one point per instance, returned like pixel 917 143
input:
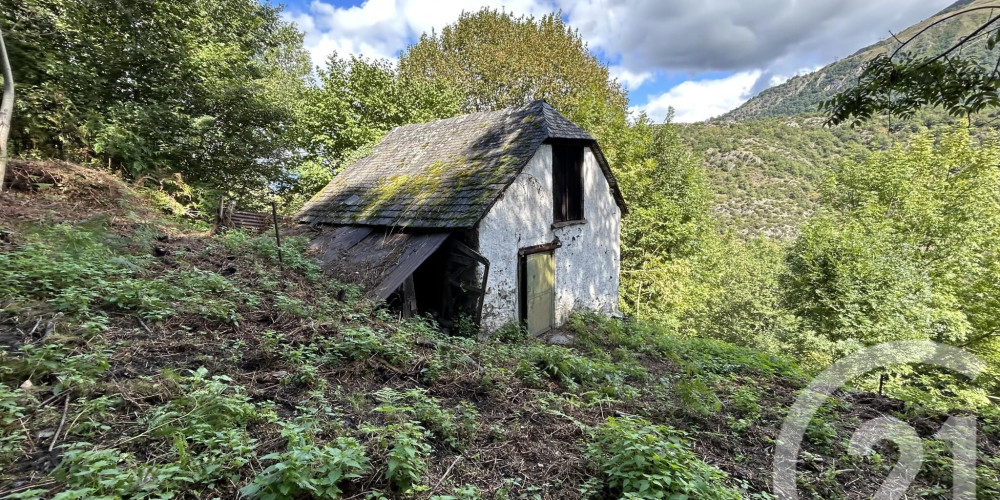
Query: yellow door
pixel 540 293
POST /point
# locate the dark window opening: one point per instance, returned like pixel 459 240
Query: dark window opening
pixel 567 182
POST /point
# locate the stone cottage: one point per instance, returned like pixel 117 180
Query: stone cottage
pixel 498 217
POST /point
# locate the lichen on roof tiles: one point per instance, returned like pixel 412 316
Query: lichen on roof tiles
pixel 440 174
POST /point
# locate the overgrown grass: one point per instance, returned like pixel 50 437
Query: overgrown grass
pixel 86 273
pixel 636 459
pixel 243 379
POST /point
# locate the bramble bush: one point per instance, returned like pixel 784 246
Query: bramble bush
pixel 308 469
pixel 635 459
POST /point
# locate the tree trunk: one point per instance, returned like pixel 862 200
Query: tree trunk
pixel 6 108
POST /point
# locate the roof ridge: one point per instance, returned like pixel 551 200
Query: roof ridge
pixel 476 114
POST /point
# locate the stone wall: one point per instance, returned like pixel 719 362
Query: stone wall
pixel 587 263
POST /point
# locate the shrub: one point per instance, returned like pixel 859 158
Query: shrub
pixel 635 459
pixel 294 250
pixel 12 436
pixel 717 357
pixel 204 405
pixel 698 395
pixel 109 473
pixel 453 427
pixel 206 425
pixel 465 326
pixel 510 332
pixel 82 270
pixel 407 455
pixel 55 362
pixel 363 343
pixel 572 370
pixel 308 469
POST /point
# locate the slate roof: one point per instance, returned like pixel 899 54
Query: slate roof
pixel 444 174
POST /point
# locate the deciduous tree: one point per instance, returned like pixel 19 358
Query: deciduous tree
pixel 172 86
pixel 906 249
pixel 6 107
pixel 494 60
pixel 355 103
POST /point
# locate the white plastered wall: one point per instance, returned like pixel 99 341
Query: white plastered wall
pixel 587 263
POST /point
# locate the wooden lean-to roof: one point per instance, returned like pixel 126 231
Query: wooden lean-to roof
pixel 444 174
pixel 378 259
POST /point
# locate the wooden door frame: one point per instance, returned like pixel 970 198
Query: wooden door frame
pixel 522 278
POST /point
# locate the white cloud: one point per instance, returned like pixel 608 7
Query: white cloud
pixel 632 80
pixel 375 29
pixel 700 100
pixel 738 35
pixel 382 28
pixel 772 39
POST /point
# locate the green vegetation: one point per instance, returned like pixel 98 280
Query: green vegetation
pixel 79 97
pixel 904 250
pixel 353 105
pixel 950 64
pixel 302 390
pixel 640 460
pixel 141 357
pixel 308 469
pixel 495 60
pixel 766 174
pixel 900 248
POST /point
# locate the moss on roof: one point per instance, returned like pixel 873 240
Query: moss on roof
pixel 441 174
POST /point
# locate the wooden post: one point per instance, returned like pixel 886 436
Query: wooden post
pixel 219 219
pixel 277 234
pixel 409 298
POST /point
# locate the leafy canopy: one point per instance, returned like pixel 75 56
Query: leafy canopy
pixel 495 60
pixel 906 249
pixel 354 104
pixel 175 85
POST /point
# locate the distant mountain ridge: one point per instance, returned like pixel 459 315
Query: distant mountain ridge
pixel 802 94
pixel 767 159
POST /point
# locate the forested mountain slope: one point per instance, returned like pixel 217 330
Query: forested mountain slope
pixel 767 158
pixel 802 94
pixel 766 173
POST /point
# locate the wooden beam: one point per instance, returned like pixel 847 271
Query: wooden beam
pixel 409 298
pixel 544 247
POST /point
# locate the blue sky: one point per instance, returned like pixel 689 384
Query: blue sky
pixel 701 57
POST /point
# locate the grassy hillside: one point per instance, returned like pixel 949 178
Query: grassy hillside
pixel 802 94
pixel 143 357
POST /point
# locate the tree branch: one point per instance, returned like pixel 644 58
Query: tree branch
pixel 960 43
pixel 939 21
pixel 976 340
